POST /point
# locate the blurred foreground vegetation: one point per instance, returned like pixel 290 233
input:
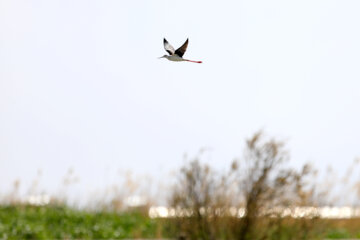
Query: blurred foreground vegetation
pixel 203 202
pixel 60 222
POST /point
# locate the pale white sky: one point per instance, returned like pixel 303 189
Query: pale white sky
pixel 81 85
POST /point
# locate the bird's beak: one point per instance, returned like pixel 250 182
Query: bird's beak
pixel 160 57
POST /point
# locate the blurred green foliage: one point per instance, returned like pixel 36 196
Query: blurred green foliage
pixel 338 234
pixel 60 222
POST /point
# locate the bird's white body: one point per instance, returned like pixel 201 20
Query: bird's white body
pixel 174 58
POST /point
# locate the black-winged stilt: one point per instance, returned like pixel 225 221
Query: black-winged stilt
pixel 176 56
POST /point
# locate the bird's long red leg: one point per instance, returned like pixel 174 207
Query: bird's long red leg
pixel 193 61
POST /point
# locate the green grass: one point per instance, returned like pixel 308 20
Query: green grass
pixel 30 222
pixel 61 222
pixel 338 234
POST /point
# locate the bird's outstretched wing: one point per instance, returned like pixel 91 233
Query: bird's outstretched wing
pixel 170 49
pixel 181 50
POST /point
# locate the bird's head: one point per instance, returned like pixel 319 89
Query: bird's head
pixel 163 56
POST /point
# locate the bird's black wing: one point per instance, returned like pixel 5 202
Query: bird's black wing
pixel 170 49
pixel 181 50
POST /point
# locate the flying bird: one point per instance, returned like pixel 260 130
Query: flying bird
pixel 176 56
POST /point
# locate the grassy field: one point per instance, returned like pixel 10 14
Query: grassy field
pixel 30 222
pixel 59 222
